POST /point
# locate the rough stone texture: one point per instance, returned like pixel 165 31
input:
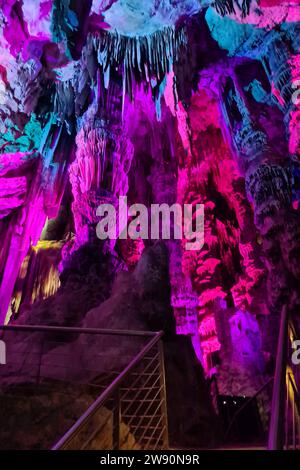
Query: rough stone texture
pixel 85 283
pixel 192 422
pixel 162 101
pixel 36 419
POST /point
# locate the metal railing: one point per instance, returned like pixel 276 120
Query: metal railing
pixel 284 422
pixel 244 406
pixel 121 373
pixel 284 430
pixel 136 399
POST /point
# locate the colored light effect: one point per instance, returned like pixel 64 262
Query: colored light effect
pixel 162 101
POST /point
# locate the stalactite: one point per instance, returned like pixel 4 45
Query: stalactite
pixel 228 6
pixel 207 175
pixel 143 58
pixel 90 100
pixel 103 158
pixel 38 277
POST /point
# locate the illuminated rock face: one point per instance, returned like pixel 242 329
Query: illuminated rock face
pixel 163 101
pixel 140 18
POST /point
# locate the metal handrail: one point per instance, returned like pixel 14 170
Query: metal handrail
pixel 111 399
pixel 109 391
pixel 250 400
pixel 295 391
pixel 292 404
pixel 71 329
pixel 278 433
pixel 294 329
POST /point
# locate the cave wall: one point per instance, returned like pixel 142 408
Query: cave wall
pixel 172 102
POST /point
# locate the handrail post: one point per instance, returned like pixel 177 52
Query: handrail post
pixel 164 409
pixel 116 420
pixel 276 433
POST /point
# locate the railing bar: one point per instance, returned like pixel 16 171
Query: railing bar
pixel 246 404
pixel 111 388
pixel 140 399
pixel 153 429
pixel 142 374
pixel 136 389
pixel 146 367
pixel 276 437
pixel 146 396
pixel 136 381
pixel 287 414
pixel 294 422
pixel 147 358
pixel 65 329
pixel 164 410
pixel 160 437
pixel 134 427
pixel 157 440
pixel 151 419
pixel 151 437
pixel 298 431
pixel 147 409
pixel 131 417
pixel 296 393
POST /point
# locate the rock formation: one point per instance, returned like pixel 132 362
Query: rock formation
pixel 164 102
